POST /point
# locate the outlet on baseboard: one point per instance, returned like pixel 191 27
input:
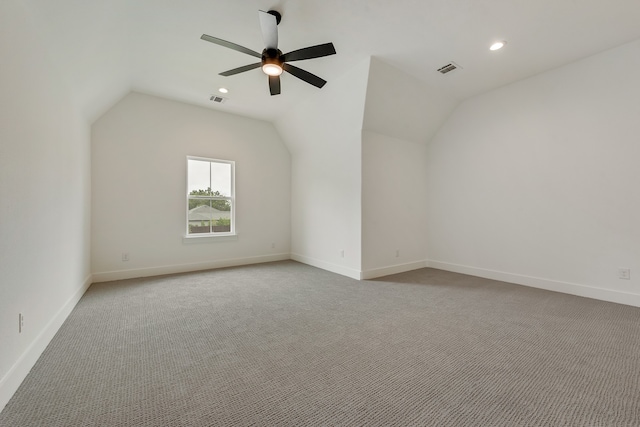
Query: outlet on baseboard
pixel 125 256
pixel 624 273
pixel 20 323
pixel 342 253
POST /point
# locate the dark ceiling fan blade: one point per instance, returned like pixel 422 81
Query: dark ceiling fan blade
pixel 269 26
pixel 310 52
pixel 304 75
pixel 230 45
pixel 241 69
pixel 274 85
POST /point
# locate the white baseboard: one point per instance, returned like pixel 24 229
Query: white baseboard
pixel 537 282
pixel 393 269
pixel 334 268
pixel 18 372
pixel 108 276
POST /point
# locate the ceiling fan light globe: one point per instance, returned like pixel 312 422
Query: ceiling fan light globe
pixel 272 69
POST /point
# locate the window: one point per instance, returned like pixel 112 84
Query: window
pixel 210 197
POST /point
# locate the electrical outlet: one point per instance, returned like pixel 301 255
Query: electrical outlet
pixel 397 253
pixel 125 256
pixel 273 246
pixel 342 253
pixel 20 323
pixel 624 273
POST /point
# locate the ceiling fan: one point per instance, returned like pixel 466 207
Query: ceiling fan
pixel 272 60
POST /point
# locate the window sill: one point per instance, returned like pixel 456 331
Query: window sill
pixel 206 238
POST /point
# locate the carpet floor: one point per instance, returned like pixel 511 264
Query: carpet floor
pixel 285 344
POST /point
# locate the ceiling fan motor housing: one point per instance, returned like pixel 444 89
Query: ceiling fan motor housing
pixel 272 56
pixel 277 15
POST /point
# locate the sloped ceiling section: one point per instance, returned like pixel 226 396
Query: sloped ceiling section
pixel 106 48
pixel 89 44
pixel 330 117
pixel 402 106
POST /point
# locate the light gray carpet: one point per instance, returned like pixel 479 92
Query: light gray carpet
pixel 287 344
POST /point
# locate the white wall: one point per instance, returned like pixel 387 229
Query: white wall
pixel 537 182
pixel 393 205
pixel 401 115
pixel 324 138
pixel 44 198
pixel 139 150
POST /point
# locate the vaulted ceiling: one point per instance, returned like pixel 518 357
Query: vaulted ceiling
pixel 104 49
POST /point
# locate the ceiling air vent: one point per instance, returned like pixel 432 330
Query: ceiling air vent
pixel 448 68
pixel 218 99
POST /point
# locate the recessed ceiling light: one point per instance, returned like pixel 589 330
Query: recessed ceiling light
pixel 497 45
pixel 223 90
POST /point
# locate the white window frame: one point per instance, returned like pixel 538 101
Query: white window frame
pixel 231 199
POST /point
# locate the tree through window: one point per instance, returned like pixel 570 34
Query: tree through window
pixel 210 196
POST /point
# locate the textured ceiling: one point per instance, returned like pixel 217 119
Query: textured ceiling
pixel 106 49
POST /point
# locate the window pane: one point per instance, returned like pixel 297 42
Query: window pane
pixel 194 203
pixel 198 179
pixel 221 206
pixel 209 183
pixel 221 223
pixel 221 179
pixel 200 218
